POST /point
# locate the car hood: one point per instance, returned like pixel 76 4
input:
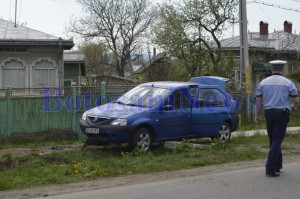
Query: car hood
pixel 115 110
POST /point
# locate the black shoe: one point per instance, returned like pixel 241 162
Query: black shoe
pixel 277 170
pixel 272 174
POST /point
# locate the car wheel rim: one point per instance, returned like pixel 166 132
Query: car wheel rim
pixel 224 133
pixel 144 141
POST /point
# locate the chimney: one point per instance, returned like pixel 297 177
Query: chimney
pixel 288 26
pixel 263 28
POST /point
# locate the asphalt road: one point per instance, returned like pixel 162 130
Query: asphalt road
pixel 246 183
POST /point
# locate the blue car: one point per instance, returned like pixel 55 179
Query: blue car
pixel 164 111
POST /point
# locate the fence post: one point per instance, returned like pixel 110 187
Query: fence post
pixel 103 92
pixel 74 105
pixel 8 110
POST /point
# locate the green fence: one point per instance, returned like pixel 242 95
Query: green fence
pixel 37 112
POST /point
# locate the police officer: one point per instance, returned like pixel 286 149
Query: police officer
pixel 274 94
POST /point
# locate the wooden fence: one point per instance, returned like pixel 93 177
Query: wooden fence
pixel 49 109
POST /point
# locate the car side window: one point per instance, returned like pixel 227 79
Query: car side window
pixel 209 97
pixel 178 100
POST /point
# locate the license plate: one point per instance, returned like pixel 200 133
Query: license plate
pixel 92 130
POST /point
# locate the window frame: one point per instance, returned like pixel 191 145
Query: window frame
pixel 204 103
pixel 22 68
pixel 35 68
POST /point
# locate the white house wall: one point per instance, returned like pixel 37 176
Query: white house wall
pixel 29 58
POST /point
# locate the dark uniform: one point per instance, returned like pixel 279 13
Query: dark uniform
pixel 275 92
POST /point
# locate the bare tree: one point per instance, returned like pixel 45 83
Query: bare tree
pixel 119 23
pixel 97 62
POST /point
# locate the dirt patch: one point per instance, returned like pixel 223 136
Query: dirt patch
pixel 8 164
pixel 19 152
pixel 39 136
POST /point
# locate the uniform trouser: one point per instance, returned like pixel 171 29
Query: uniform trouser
pixel 276 121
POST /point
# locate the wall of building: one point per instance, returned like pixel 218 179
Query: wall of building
pixel 29 58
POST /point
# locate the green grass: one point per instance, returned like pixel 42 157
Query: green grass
pixel 294 121
pixel 94 162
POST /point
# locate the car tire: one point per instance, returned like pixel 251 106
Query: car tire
pixel 142 138
pixel 225 132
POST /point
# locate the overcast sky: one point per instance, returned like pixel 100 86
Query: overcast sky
pixel 51 16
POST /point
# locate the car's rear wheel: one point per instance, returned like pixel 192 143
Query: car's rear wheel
pixel 225 132
pixel 142 138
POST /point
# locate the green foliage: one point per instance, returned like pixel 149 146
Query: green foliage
pixel 189 32
pixel 81 168
pixel 294 75
pixel 184 147
pixel 137 152
pixel 97 61
pixel 294 121
pixel 4 185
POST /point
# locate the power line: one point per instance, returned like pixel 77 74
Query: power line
pixel 65 2
pixel 269 18
pixel 20 7
pixel 9 9
pixel 276 6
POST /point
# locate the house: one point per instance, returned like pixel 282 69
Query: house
pixel 155 69
pixel 265 46
pixel 74 68
pixel 30 58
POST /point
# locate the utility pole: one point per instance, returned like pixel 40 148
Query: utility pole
pixel 16 6
pixel 245 70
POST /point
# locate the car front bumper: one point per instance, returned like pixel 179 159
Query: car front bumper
pixel 106 133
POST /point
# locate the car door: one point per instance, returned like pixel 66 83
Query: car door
pixel 209 112
pixel 175 118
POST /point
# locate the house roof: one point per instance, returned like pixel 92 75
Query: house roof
pixel 278 40
pixel 73 56
pixel 20 35
pixel 154 59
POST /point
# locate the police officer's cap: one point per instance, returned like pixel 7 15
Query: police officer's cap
pixel 277 63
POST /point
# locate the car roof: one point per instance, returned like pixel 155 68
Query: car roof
pixel 202 82
pixel 170 84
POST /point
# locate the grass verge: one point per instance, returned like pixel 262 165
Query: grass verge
pixel 95 162
pixel 294 121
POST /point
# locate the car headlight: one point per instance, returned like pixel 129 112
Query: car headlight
pixel 120 122
pixel 84 116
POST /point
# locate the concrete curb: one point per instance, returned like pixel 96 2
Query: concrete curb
pixel 290 130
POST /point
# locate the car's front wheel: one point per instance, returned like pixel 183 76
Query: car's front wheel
pixel 225 132
pixel 142 138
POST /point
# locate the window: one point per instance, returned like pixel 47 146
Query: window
pixel 193 91
pixel 178 100
pixel 143 96
pixel 211 98
pixel 11 50
pixel 13 74
pixel 44 74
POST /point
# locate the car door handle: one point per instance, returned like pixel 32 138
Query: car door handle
pixel 187 115
pixel 224 112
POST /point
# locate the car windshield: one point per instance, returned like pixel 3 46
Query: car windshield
pixel 143 96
